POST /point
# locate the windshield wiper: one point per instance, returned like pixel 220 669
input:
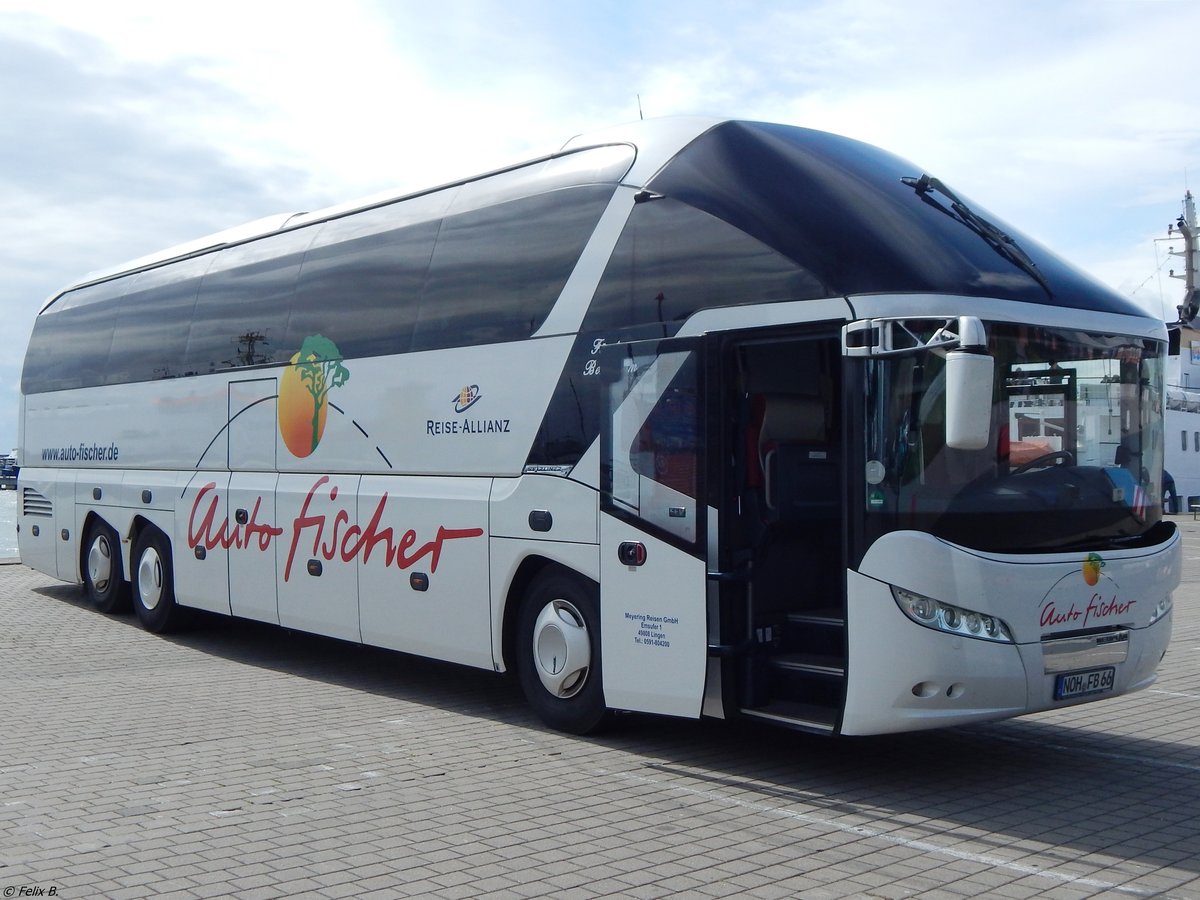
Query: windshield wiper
pixel 997 239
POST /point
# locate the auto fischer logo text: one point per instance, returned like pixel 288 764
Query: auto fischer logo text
pixel 324 522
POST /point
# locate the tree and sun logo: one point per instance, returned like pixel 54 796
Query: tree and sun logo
pixel 1092 564
pixel 316 369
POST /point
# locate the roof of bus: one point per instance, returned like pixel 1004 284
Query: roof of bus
pixel 654 140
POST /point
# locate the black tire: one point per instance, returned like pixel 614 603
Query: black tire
pixel 153 582
pixel 103 573
pixel 559 624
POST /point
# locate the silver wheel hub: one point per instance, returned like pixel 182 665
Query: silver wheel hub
pixel 150 578
pixel 562 652
pixel 99 562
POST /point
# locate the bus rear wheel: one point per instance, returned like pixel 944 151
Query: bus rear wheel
pixel 558 653
pixel 154 582
pixel 103 576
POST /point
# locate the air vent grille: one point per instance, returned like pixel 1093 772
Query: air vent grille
pixel 34 503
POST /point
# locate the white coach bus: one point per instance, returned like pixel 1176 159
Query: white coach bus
pixel 691 418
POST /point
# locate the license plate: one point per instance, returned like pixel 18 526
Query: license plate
pixel 1080 684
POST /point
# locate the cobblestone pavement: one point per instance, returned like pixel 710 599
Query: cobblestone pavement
pixel 239 759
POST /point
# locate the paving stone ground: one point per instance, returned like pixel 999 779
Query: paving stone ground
pixel 240 759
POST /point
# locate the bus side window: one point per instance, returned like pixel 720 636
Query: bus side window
pixel 665 450
pixel 496 271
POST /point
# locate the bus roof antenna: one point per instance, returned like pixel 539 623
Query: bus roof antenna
pixel 640 116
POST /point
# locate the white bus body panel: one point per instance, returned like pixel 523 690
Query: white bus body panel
pixel 902 675
pixel 318 591
pixel 204 520
pixel 573 509
pixel 653 629
pixel 152 425
pixel 253 417
pixel 43 496
pixel 438 531
pixel 253 563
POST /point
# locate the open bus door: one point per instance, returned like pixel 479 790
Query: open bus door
pixel 654 527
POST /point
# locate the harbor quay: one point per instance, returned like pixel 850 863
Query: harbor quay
pixel 240 759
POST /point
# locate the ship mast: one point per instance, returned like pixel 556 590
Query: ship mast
pixel 1186 226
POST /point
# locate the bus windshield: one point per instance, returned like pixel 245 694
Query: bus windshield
pixel 1073 458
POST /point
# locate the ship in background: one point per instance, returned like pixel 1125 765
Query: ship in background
pixel 1182 419
pixel 8 472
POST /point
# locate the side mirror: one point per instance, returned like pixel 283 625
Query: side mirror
pixel 969 373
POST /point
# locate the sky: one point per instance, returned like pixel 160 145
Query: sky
pixel 127 127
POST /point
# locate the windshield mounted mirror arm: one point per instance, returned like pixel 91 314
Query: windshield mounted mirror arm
pixel 875 338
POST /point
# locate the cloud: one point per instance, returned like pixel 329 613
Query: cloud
pixel 93 149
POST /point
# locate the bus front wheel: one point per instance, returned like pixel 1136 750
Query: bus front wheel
pixel 103 577
pixel 153 582
pixel 558 653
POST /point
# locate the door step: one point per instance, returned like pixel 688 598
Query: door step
pixel 809 664
pixel 803 716
pixel 829 618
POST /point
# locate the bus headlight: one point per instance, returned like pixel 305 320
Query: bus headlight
pixel 950 619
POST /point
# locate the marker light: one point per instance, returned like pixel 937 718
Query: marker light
pixel 950 619
pixel 1163 607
